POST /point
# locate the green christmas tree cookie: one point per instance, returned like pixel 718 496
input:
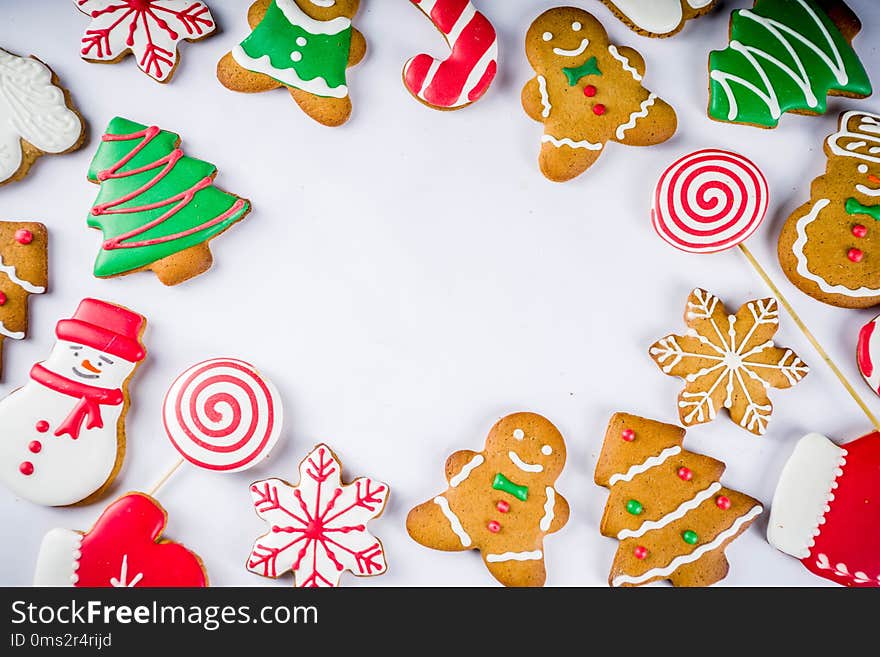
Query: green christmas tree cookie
pixel 157 208
pixel 785 55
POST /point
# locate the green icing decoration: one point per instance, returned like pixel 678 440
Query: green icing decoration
pixel 690 537
pixel 634 507
pixel 783 55
pixel 574 74
pixel 298 50
pixel 154 201
pixel 504 484
pixel 853 206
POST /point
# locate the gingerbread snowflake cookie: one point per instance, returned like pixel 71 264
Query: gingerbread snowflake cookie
pixel 672 517
pixel 658 18
pixel 728 361
pixel 318 528
pixel 587 92
pixel 826 246
pixel 501 501
pixel 37 116
pixel 303 45
pixel 148 29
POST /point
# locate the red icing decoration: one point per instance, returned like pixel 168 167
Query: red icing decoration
pixel 722 502
pixel 628 435
pixel 855 255
pixel 503 506
pixel 450 81
pixel 26 468
pixel 685 474
pixel 24 236
pixel 494 526
pixel 589 91
pixel 863 351
pixel 2 299
pixel 640 552
pixel 42 426
pixel 598 109
pixel 859 230
pixel 125 544
pixel 35 446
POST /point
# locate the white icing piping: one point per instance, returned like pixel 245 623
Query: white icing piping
pixel 522 465
pixel 545 99
pixel 693 556
pixel 15 335
pixel 549 507
pixel 515 556
pixel 288 76
pixel 845 133
pixel 77 555
pixel 841 570
pixel 641 113
pixel 575 52
pixel 647 464
pixel 624 62
pixel 829 498
pixel 454 522
pixel 296 16
pixel 680 512
pixel 466 470
pixel 9 270
pixel 565 141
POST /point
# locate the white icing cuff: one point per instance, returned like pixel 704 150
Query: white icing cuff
pixel 805 489
pixel 58 559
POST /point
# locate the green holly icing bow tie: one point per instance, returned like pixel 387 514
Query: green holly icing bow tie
pixel 574 74
pixel 853 206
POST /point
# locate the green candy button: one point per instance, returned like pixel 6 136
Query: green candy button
pixel 634 507
pixel 690 537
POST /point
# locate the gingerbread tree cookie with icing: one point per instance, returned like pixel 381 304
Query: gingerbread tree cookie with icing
pixel 587 92
pixel 728 361
pixel 658 18
pixel 826 246
pixel 501 501
pixel 672 517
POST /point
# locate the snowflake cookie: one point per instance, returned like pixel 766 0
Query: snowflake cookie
pixel 728 360
pixel 318 528
pixel 148 29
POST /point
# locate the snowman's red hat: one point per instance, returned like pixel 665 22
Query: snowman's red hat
pixel 106 327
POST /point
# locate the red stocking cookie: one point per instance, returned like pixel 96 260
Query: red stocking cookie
pixel 469 70
pixel 501 501
pixel 125 548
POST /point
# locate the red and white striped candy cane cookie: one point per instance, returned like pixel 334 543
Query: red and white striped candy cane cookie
pixel 468 72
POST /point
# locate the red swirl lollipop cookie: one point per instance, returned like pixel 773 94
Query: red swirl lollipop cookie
pixel 709 201
pixel 222 415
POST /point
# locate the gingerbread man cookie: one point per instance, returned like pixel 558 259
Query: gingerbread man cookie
pixel 826 246
pixel 501 501
pixel 587 92
pixel 304 45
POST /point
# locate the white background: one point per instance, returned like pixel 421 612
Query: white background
pixel 411 277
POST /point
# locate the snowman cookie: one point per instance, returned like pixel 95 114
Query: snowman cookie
pixel 826 247
pixel 304 45
pixel 501 501
pixel 587 92
pixel 62 435
pixel 658 18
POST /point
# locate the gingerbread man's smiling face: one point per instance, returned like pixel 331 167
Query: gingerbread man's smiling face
pixel 325 10
pixel 560 38
pixel 527 446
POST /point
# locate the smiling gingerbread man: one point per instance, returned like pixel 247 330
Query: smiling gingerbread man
pixel 587 92
pixel 501 501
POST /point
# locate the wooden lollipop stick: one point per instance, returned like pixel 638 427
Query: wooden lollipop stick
pixel 803 327
pixel 165 477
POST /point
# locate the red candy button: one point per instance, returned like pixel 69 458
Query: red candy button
pixel 589 91
pixel 628 435
pixel 855 255
pixel 42 426
pixel 494 526
pixel 859 231
pixel 598 109
pixel 503 506
pixel 722 502
pixel 640 552
pixel 2 299
pixel 35 446
pixel 26 468
pixel 685 474
pixel 24 236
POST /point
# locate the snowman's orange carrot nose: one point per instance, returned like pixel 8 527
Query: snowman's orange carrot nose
pixel 874 179
pixel 91 368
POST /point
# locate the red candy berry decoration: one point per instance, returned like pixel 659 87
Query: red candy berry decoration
pixel 628 435
pixel 494 526
pixel 640 552
pixel 26 468
pixel 859 230
pixel 35 446
pixel 598 109
pixel 42 426
pixel 589 91
pixel 855 255
pixel 722 502
pixel 24 236
pixel 503 506
pixel 2 299
pixel 685 474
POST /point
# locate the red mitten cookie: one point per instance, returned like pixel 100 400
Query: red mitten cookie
pixel 123 549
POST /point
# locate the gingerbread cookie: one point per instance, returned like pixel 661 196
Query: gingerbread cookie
pixel 157 208
pixel 785 56
pixel 63 433
pixel 658 18
pixel 587 92
pixel 37 116
pixel 672 517
pixel 501 501
pixel 826 509
pixel 728 361
pixel 23 271
pixel 304 45
pixel 148 29
pixel 467 73
pixel 125 548
pixel 826 247
pixel 318 528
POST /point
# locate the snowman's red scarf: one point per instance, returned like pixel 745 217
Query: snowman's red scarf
pixel 91 398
